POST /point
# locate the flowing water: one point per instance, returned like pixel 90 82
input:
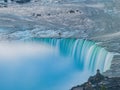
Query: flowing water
pixel 50 64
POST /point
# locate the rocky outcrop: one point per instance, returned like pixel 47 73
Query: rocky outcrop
pixel 100 82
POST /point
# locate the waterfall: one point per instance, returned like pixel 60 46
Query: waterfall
pixel 50 63
pixel 87 54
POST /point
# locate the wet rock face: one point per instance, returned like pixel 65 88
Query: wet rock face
pixel 115 67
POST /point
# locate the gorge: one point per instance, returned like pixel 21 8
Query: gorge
pixel 56 44
pixel 49 63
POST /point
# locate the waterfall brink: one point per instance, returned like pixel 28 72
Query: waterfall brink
pixel 87 55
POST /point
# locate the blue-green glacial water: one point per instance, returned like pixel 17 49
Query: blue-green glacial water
pixel 50 64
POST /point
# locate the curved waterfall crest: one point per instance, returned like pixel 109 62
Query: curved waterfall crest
pixel 87 54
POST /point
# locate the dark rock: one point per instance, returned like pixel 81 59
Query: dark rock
pixel 48 14
pixel 97 78
pixel 22 1
pixel 71 11
pixel 5 1
pixel 59 34
pixel 77 10
pixel 100 82
pixel 38 14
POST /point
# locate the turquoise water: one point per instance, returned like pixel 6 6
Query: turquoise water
pixel 50 64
